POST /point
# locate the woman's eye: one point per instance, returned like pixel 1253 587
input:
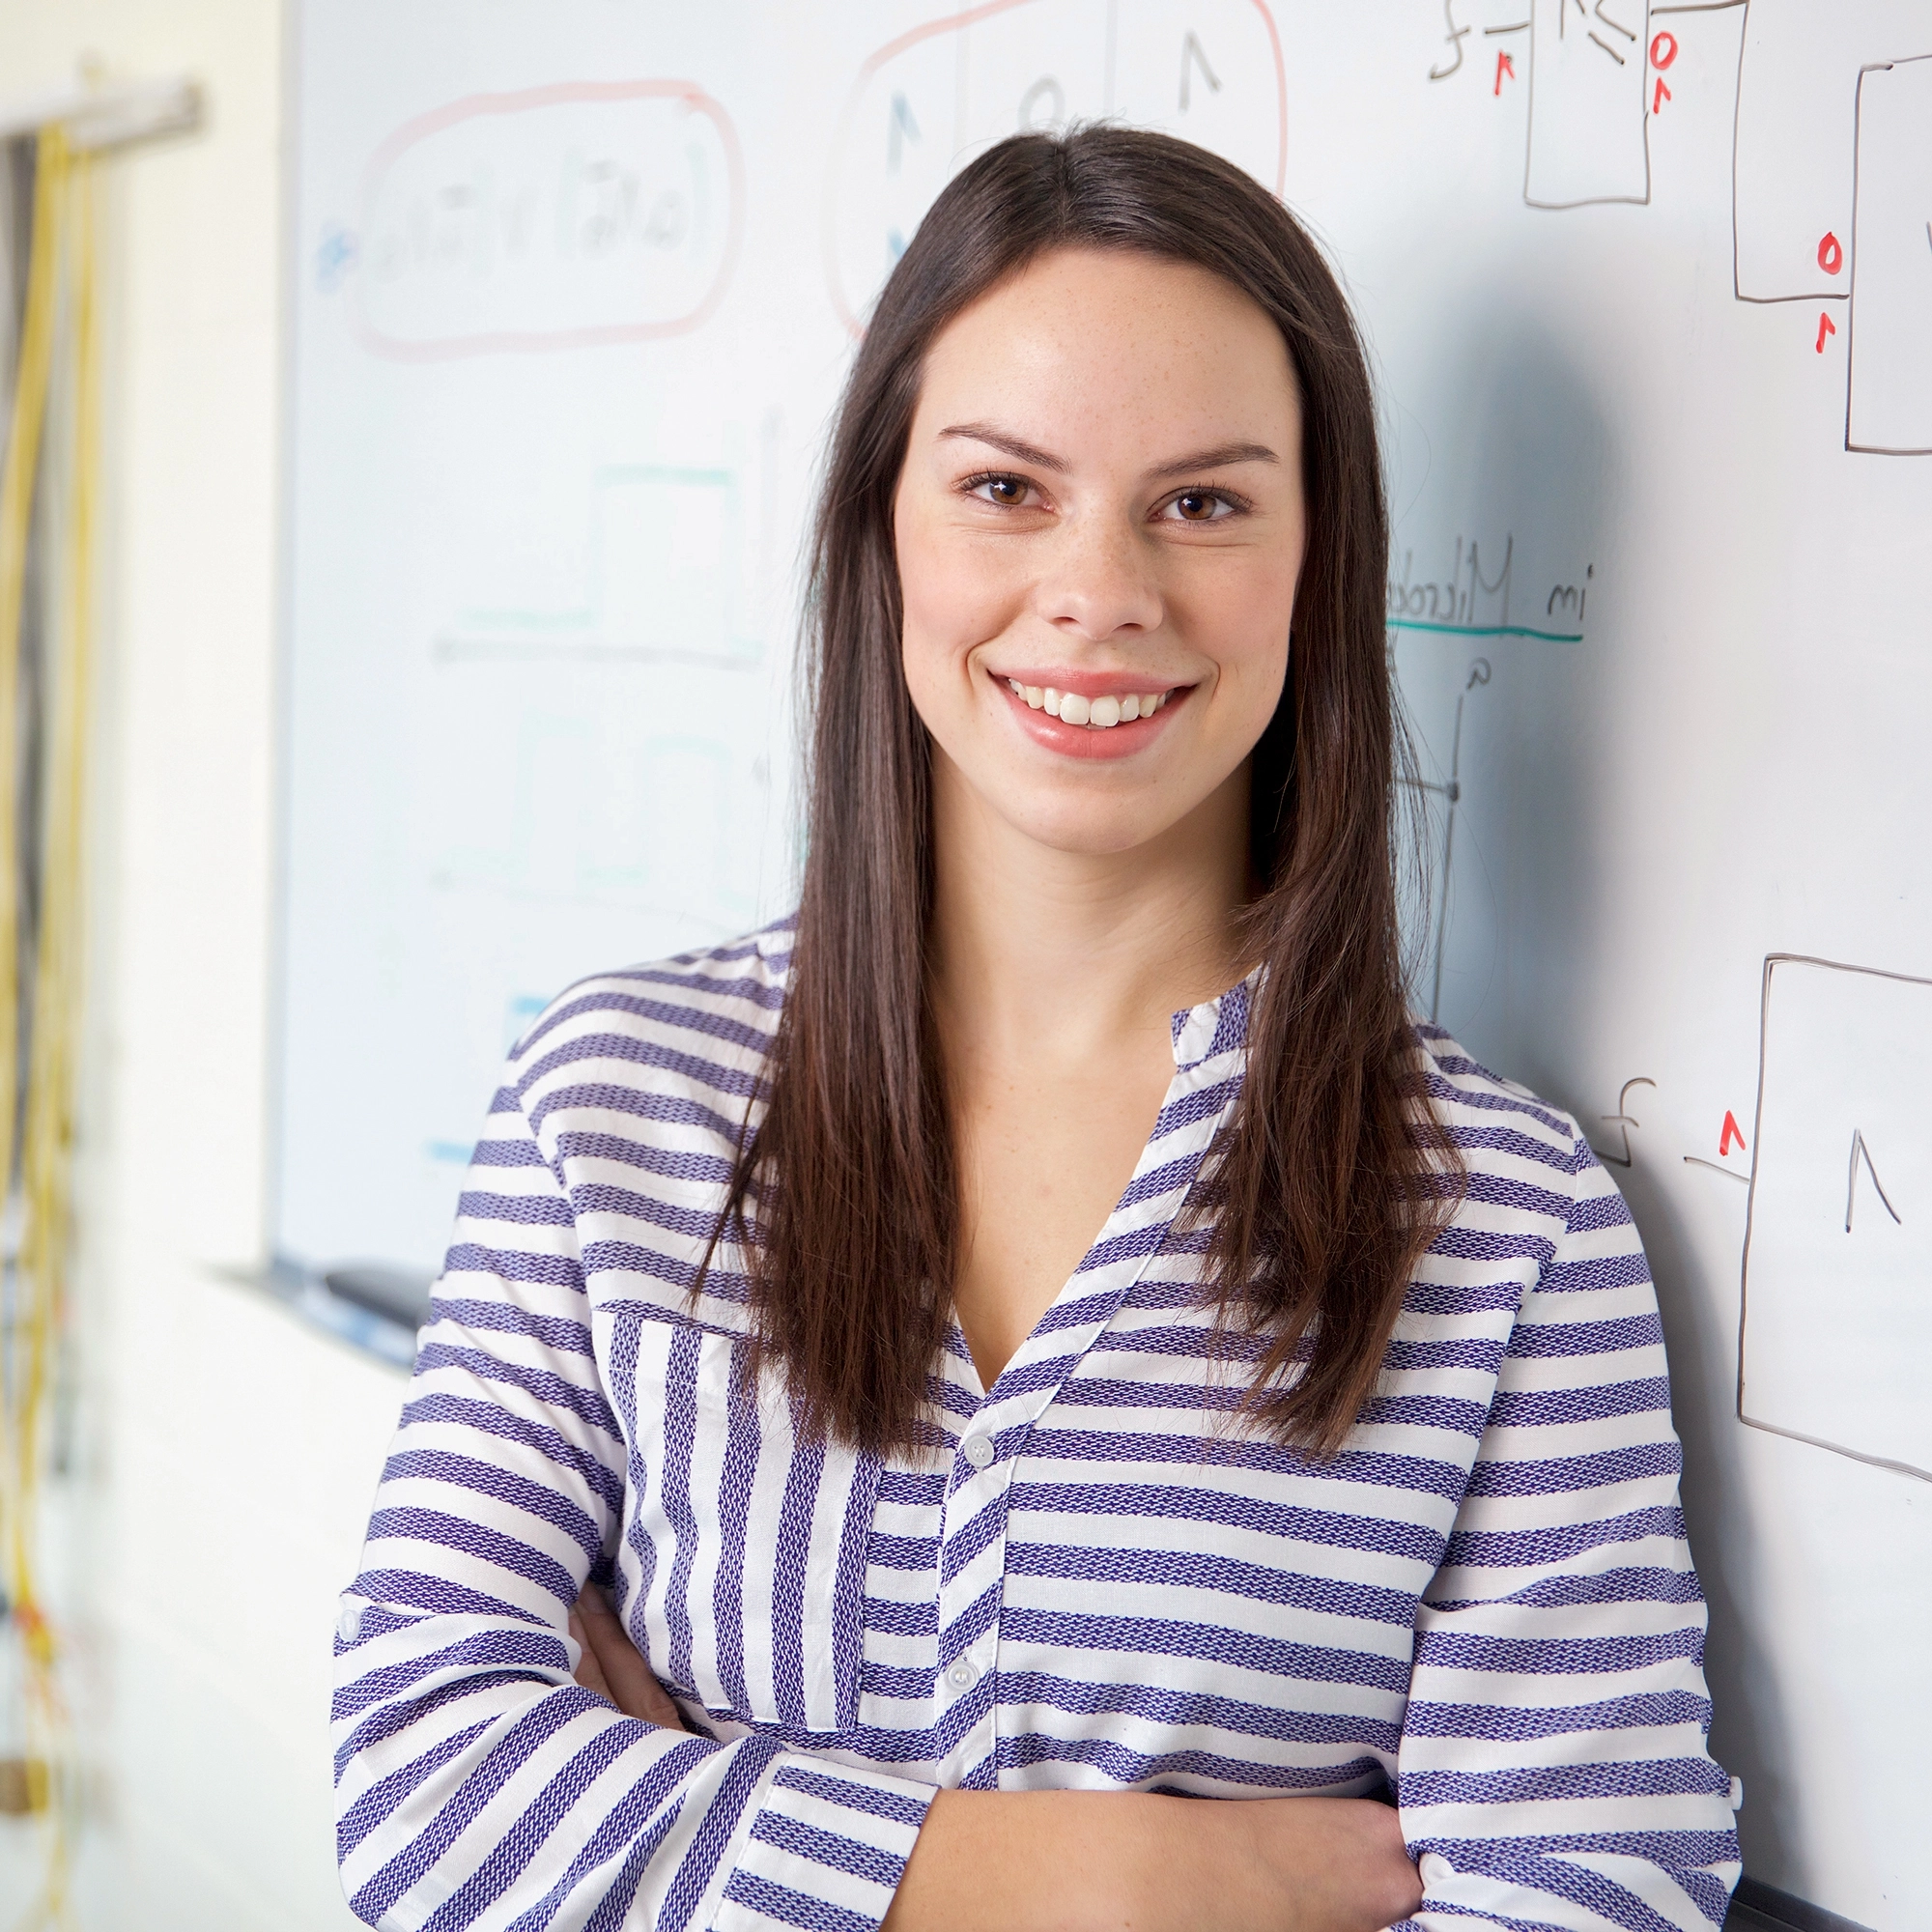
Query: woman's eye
pixel 1201 506
pixel 1009 490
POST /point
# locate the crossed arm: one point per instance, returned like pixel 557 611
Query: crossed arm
pixel 1097 1861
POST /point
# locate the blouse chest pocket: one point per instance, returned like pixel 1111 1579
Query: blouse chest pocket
pixel 748 1544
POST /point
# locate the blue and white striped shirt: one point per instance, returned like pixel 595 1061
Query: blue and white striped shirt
pixel 1095 1580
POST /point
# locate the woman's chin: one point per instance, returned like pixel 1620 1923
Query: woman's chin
pixel 1086 828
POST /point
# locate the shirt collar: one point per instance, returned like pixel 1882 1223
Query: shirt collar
pixel 1215 1025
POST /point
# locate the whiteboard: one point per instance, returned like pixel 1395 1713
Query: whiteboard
pixel 1649 296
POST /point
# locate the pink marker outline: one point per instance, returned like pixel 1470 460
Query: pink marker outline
pixel 450 348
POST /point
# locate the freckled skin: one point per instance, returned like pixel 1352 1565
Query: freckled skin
pixel 1072 527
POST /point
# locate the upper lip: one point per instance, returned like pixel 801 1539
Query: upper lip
pixel 1093 683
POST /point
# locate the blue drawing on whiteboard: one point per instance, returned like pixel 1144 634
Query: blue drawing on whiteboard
pixel 1467 604
pixel 596 811
pixel 665 560
pixel 334 256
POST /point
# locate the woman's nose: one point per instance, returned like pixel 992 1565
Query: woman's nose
pixel 1099 580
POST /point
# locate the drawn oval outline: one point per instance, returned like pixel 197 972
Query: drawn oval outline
pixel 951 24
pixel 539 341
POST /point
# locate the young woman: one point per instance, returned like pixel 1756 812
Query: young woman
pixel 970 1544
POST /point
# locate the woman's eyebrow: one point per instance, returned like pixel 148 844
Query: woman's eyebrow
pixel 1214 459
pixel 1022 451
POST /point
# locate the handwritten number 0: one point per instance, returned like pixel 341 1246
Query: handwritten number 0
pixel 1663 51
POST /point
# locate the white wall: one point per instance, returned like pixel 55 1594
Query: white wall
pixel 227 1454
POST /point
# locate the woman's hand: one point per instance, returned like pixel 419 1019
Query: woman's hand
pixel 1100 1860
pixel 613 1666
pixel 1340 1861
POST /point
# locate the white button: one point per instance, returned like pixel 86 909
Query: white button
pixel 1737 1794
pixel 976 1450
pixel 961 1674
pixel 348 1622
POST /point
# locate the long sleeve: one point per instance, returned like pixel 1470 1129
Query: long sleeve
pixel 478 1785
pixel 1553 1761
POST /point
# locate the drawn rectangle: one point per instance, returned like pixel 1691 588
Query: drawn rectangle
pixel 1589 133
pixel 1796 137
pixel 1836 1345
pixel 1889 408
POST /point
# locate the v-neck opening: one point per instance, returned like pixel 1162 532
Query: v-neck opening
pixel 1200 1033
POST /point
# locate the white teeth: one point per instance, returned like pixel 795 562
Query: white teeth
pixel 1097 714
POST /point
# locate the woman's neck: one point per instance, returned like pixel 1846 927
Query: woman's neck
pixel 1033 945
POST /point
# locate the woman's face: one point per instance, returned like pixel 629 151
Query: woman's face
pixel 1101 506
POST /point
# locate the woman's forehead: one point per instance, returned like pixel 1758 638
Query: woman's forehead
pixel 1102 341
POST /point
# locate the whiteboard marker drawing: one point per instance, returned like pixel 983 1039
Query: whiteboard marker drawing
pixel 1730 1131
pixel 1622 1120
pixel 664 564
pixel 1455 37
pixel 1729 1172
pixel 1589 130
pixel 1194 61
pixel 1834 1320
pixel 1450 791
pixel 569 216
pixel 1888 376
pixel 936 95
pixel 1794 141
pixel 1860 1156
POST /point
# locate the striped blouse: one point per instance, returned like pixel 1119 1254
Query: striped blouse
pixel 1484 1605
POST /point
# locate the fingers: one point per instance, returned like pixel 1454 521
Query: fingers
pixel 589 1673
pixel 625 1678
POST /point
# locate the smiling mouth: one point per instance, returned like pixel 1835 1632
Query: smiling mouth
pixel 1095 714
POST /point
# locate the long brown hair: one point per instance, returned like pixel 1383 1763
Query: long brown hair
pixel 1331 1175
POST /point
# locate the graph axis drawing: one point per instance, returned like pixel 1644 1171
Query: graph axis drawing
pixel 1450 790
pixel 1773 962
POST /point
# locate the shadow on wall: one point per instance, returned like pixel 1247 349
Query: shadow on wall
pixel 1532 957
pixel 1523 467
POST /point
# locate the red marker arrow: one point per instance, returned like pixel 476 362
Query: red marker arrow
pixel 1732 1132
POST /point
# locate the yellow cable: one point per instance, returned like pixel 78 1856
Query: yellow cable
pixel 64 238
pixel 17 510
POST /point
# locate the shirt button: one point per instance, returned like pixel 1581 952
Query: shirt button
pixel 348 1622
pixel 976 1450
pixel 960 1673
